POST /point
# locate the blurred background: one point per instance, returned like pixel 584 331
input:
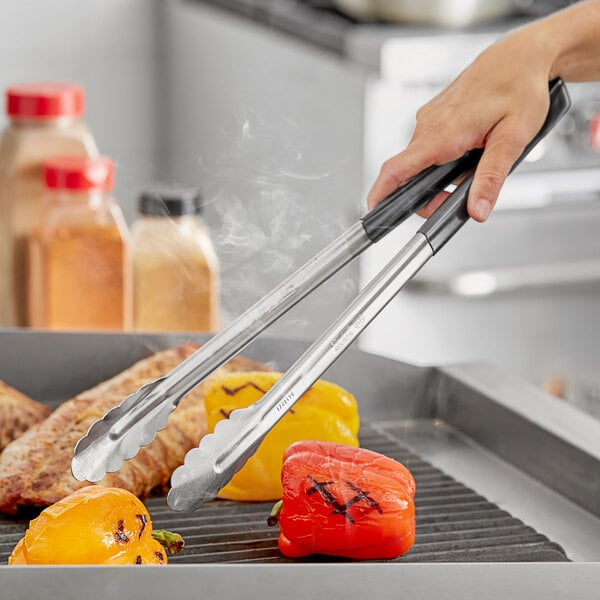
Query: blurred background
pixel 282 112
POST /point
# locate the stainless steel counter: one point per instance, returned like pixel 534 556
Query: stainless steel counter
pixel 427 582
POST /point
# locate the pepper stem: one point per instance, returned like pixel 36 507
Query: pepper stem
pixel 274 516
pixel 174 542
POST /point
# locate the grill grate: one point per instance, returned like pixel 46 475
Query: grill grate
pixel 454 524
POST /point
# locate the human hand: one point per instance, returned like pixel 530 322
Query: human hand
pixel 499 103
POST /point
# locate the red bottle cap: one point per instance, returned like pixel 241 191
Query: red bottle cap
pixel 45 100
pixel 79 173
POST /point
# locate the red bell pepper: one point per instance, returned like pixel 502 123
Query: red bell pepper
pixel 344 501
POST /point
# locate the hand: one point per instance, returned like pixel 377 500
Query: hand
pixel 499 103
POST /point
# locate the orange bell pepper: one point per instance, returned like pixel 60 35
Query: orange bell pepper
pixel 325 412
pixel 344 501
pixel 95 525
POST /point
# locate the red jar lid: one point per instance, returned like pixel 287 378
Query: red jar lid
pixel 45 100
pixel 79 173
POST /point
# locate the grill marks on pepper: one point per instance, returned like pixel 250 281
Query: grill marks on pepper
pixel 234 391
pixel 121 537
pixel 143 519
pixel 119 534
pixel 339 508
pixel 362 495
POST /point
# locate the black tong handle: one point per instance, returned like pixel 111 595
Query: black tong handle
pixel 414 194
pixel 452 213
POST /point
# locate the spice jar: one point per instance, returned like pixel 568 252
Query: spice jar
pixel 175 271
pixel 80 264
pixel 44 121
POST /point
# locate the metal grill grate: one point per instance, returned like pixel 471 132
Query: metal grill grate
pixel 454 524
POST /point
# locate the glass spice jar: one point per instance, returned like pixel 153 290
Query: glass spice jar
pixel 45 120
pixel 175 268
pixel 79 255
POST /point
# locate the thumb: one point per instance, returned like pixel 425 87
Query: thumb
pixel 502 150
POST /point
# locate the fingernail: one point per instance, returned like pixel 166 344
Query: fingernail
pixel 482 208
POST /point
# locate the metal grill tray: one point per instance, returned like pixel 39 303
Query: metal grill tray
pixel 454 523
pixel 521 457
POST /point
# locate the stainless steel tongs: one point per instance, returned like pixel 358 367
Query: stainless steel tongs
pixel 207 468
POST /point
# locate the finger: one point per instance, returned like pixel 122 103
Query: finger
pixel 432 144
pixel 396 171
pixel 503 147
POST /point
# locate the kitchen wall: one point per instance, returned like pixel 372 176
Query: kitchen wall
pixel 271 129
pixel 112 48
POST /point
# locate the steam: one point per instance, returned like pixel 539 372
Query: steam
pixel 263 191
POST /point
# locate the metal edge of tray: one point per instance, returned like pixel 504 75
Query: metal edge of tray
pixel 534 581
pixel 57 353
pixel 554 442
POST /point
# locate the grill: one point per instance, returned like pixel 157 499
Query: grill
pixel 454 523
pixel 508 487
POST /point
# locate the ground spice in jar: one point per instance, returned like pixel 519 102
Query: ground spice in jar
pixel 44 121
pixel 175 269
pixel 79 259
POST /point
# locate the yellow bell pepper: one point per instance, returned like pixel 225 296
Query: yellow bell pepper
pixel 326 412
pixel 95 525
